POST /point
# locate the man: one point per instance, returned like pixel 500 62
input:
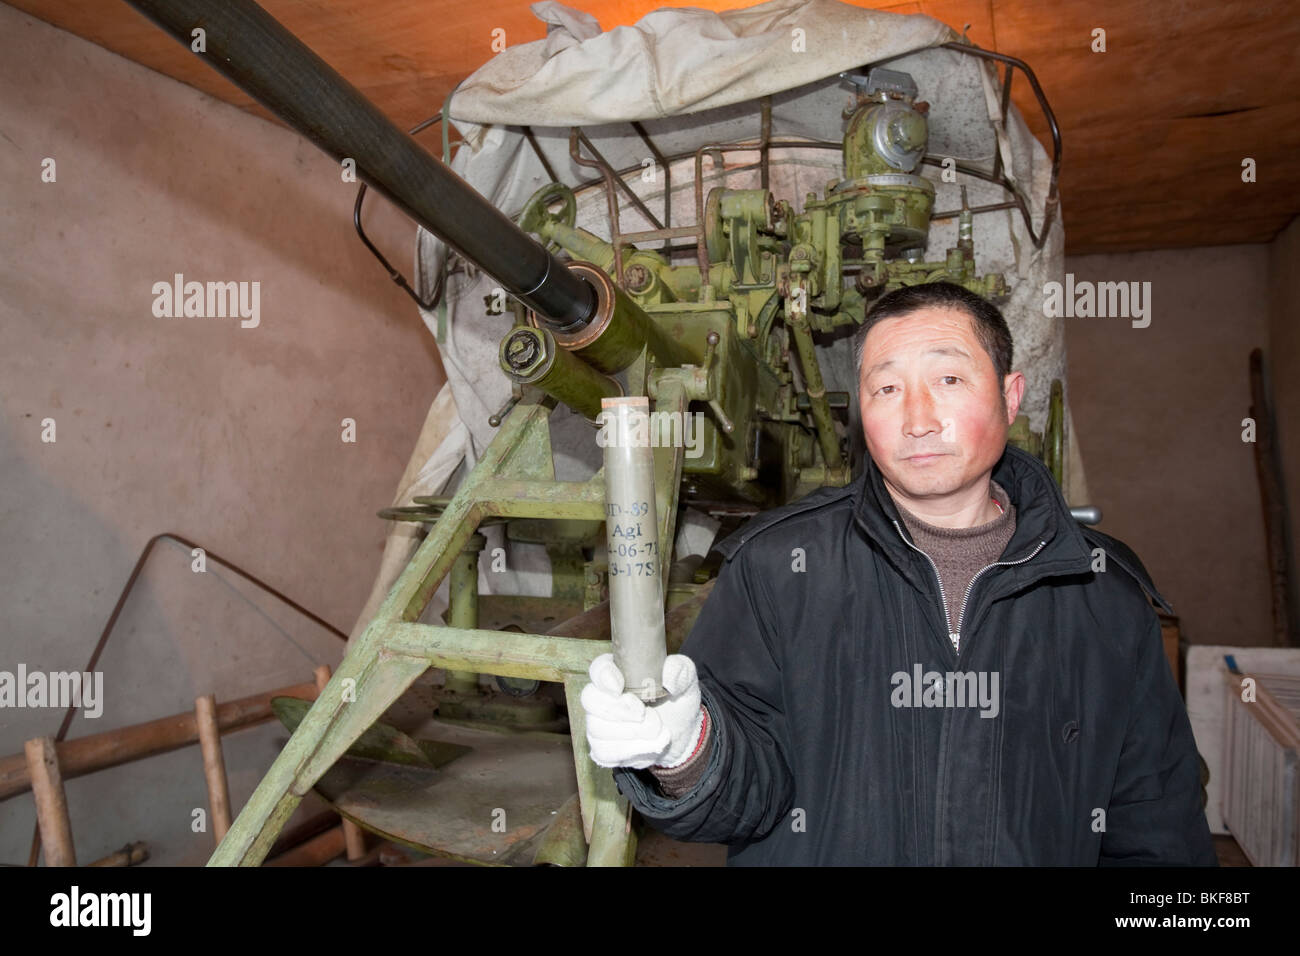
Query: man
pixel 933 665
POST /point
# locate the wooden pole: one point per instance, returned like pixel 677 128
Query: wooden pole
pixel 214 765
pixel 354 838
pixel 129 855
pixel 1286 629
pixel 317 851
pixel 51 802
pixel 302 832
pixel 98 751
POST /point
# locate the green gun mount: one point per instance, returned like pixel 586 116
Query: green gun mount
pixel 764 279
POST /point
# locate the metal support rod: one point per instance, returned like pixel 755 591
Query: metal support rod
pixel 666 165
pixel 249 47
pixel 1049 210
pixel 462 607
pixel 354 838
pixel 815 386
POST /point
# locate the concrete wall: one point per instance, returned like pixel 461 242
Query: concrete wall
pixel 1158 414
pixel 228 435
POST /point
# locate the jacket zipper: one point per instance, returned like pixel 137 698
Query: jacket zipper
pixel 943 598
pixel 955 636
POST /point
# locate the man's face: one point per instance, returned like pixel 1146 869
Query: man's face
pixel 933 412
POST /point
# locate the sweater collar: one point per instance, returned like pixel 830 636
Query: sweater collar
pixel 1042 517
pixel 998 524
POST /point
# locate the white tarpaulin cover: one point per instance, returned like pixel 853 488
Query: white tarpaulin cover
pixel 690 77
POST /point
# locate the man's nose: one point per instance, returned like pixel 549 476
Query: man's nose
pixel 918 413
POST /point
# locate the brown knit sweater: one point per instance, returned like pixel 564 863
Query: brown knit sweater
pixel 958 553
pixel 961 553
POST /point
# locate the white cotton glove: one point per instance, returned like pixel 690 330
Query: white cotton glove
pixel 624 731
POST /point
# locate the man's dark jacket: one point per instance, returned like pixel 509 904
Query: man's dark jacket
pixel 1089 760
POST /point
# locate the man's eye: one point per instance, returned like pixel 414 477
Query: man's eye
pixel 954 378
pixel 881 390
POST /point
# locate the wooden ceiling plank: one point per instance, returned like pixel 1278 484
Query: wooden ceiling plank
pixel 1138 121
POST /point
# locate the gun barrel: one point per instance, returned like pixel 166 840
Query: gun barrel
pixel 252 49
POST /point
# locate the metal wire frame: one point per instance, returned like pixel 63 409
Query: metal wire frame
pixel 1052 201
pixel 106 633
pixel 613 179
pixel 393 273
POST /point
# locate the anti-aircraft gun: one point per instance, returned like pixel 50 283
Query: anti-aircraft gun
pixel 764 279
pixel 725 332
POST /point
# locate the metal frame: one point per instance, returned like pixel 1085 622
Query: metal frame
pixel 514 479
pixel 611 178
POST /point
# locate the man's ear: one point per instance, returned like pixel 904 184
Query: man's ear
pixel 1013 390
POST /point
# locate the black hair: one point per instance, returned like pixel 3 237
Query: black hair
pixel 989 325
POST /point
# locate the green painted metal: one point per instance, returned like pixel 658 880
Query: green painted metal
pixel 836 469
pixel 532 357
pixel 564 843
pixel 1054 432
pixel 767 278
pixel 493 805
pixel 621 331
pixel 1050 444
pixel 510 480
pixel 557 227
pixel 379 742
pixel 1023 438
pixel 461 695
pixel 462 607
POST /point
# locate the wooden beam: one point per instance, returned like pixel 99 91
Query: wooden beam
pixel 51 802
pixel 317 851
pixel 214 765
pixel 88 754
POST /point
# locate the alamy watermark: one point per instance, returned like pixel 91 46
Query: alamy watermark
pixel 948 689
pixel 1102 300
pixel 209 300
pixel 130 910
pixel 653 430
pixel 61 689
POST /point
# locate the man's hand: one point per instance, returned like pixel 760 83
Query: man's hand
pixel 623 731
